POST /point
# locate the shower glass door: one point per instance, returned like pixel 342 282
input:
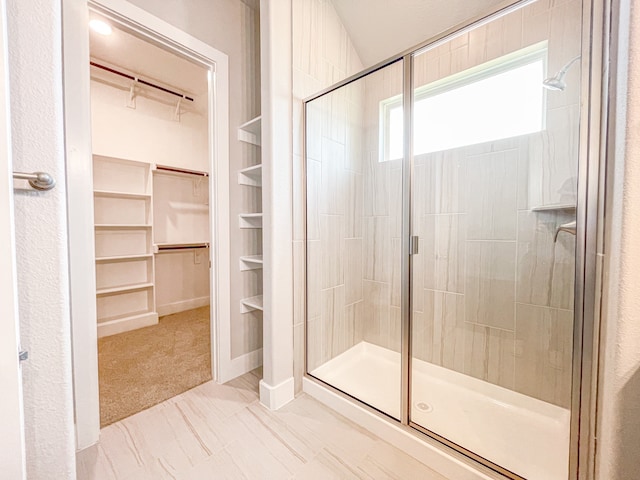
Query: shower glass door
pixel 470 338
pixel 493 202
pixel 354 211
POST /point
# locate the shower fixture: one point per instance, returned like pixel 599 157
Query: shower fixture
pixel 557 82
pixel 570 227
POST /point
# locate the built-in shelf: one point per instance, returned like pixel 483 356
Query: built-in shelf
pixel 250 220
pixel 189 207
pixel 250 132
pixel 250 262
pixel 125 316
pixel 125 271
pixel 110 194
pixel 555 208
pixel 118 160
pixel 124 226
pixel 123 258
pixel 250 304
pixel 251 176
pixel 124 323
pixel 123 288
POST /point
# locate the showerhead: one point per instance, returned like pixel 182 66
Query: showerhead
pixel 557 83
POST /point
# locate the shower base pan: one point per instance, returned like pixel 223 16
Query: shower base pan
pixel 520 433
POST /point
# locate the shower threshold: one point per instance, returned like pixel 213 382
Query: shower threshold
pixel 525 435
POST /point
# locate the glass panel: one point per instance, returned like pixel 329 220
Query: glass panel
pixel 354 213
pixel 495 176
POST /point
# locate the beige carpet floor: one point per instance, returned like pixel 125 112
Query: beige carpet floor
pixel 141 368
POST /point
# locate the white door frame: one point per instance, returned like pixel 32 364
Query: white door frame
pixel 80 194
pixel 12 446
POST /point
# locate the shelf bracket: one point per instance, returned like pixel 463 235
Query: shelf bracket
pixel 131 100
pixel 176 114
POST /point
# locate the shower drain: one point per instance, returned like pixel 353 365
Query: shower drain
pixel 425 407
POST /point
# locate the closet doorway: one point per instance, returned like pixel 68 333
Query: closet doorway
pixel 149 122
pixel 148 188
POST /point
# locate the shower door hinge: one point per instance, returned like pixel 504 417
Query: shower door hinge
pixel 23 355
pixel 413 245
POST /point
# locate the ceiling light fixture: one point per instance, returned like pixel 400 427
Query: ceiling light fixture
pixel 100 26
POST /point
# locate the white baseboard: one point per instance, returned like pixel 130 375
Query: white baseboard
pixel 425 450
pixel 274 397
pixel 183 305
pixel 241 365
pixel 128 323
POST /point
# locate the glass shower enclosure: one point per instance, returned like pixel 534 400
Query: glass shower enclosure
pixel 441 220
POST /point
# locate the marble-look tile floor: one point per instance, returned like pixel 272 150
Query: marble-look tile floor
pixel 223 432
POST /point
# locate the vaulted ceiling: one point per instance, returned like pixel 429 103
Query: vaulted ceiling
pixel 380 29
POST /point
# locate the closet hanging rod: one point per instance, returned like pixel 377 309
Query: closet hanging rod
pixel 181 170
pixel 180 246
pixel 139 80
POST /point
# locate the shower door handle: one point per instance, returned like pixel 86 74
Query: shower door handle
pixel 413 244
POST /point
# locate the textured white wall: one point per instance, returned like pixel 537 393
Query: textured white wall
pixel 619 411
pixel 35 58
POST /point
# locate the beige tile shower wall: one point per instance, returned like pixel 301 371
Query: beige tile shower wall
pixel 322 55
pixel 493 293
pixel 335 236
pixel 382 219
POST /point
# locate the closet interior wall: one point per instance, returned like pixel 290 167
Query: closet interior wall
pixel 137 207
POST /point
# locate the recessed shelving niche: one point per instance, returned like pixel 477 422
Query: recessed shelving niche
pixel 251 132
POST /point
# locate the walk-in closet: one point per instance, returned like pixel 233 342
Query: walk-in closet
pixel 151 181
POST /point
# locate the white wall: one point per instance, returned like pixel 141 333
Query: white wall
pixel 34 29
pixel 181 215
pixel 150 133
pixel 147 133
pixel 618 450
pixel 182 280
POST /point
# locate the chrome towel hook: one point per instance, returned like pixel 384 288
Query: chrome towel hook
pixel 38 180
